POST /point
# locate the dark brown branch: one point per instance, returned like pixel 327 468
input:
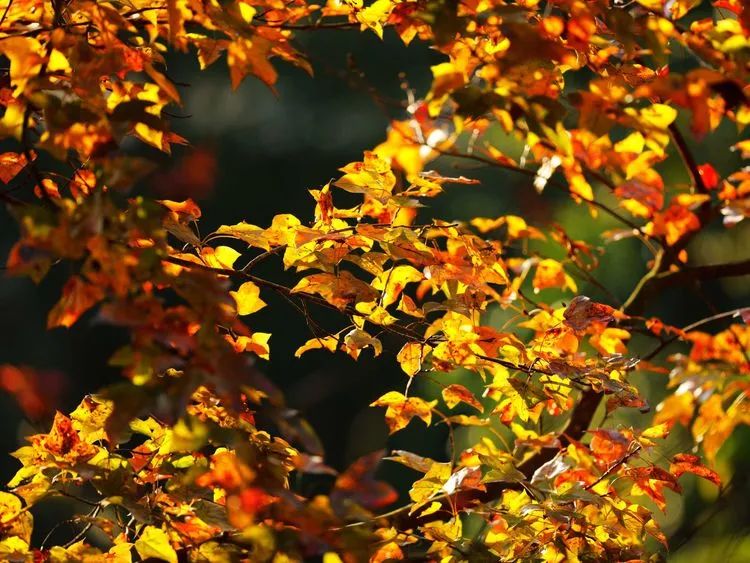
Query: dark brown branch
pixel 688 159
pixel 657 279
pixel 704 273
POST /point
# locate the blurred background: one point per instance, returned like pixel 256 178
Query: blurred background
pixel 255 153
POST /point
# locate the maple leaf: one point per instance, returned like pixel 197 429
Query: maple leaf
pixel 687 463
pixel 250 56
pixel 455 393
pixel 64 441
pixel 329 343
pixel 11 163
pixel 77 298
pixel 411 357
pixel 400 409
pixel 372 177
pixel 582 312
pixel 430 485
pixel 339 290
pixel 550 273
pixel 651 481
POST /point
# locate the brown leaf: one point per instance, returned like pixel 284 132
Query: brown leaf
pixel 582 312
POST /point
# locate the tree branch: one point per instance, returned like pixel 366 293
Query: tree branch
pixel 703 273
pixel 688 159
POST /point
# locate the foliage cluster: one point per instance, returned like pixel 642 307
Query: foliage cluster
pixel 196 457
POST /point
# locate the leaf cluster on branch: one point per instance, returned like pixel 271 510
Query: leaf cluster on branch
pixel 194 456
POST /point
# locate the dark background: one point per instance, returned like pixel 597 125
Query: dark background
pixel 257 155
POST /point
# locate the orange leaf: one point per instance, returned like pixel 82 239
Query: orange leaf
pixel 550 273
pixel 11 163
pixel 687 463
pixel 455 393
pixel 78 296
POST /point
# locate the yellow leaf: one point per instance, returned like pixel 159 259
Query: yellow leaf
pixel 485 224
pixel 250 234
pixel 221 257
pixel 373 177
pixel 610 341
pixel 375 15
pixel 410 357
pixel 392 282
pixel 25 56
pixel 518 228
pixel 632 143
pixel 357 339
pixel 90 417
pixel 400 410
pixel 580 187
pixel 659 116
pixel 658 431
pixel 327 342
pixel 153 542
pixel 250 57
pixel 120 553
pixel 676 408
pixel 256 343
pixel 431 484
pixel 13 520
pixel 339 291
pixel 247 12
pixel 455 393
pixel 652 4
pixel 248 299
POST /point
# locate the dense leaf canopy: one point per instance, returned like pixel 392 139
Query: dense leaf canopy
pixel 194 456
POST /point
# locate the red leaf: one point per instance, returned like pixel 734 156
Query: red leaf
pixel 709 176
pixel 36 392
pixel 687 463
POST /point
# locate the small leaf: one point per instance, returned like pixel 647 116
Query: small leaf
pixel 221 257
pixel 582 312
pixel 411 356
pixel 401 409
pixel 154 543
pixel 430 485
pixel 248 299
pixel 411 460
pixel 455 393
pixel 327 342
pixel 687 463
